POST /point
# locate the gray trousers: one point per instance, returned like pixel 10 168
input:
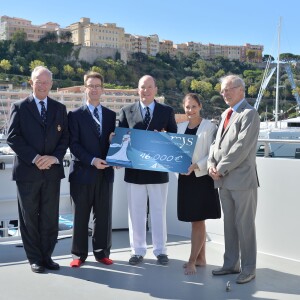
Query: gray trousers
pixel 239 208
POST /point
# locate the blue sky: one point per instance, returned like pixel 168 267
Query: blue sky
pixel 218 22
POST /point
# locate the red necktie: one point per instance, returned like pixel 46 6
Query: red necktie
pixel 229 113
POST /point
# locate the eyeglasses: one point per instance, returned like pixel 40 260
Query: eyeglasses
pixel 96 86
pixel 40 83
pixel 222 92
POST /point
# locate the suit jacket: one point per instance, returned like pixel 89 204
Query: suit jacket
pixel 163 119
pixel 205 136
pixel 234 150
pixel 85 144
pixel 28 137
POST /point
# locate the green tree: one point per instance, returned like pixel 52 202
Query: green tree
pixel 18 41
pixel 220 73
pixel 250 55
pixel 5 65
pixel 171 84
pixel 65 36
pixel 68 71
pixel 80 72
pixel 98 70
pixel 19 37
pixel 110 76
pixel 185 84
pixel 49 36
pixel 203 88
pixel 267 94
pixel 54 70
pixel 252 91
pixel 36 63
pixel 217 100
pixel 217 87
pixel 160 85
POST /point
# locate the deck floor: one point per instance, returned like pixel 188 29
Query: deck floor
pixel 276 278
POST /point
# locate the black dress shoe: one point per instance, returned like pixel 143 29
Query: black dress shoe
pixel 222 271
pixel 51 265
pixel 37 268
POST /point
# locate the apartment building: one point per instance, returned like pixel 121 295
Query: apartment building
pixel 201 49
pixel 153 44
pixel 8 26
pixel 89 34
pixel 257 50
pixel 145 44
pixel 232 52
pixel 72 97
pixel 110 36
pixel 181 48
pixel 139 44
pixel 211 51
pixel 166 46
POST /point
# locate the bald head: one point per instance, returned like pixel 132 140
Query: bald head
pixel 147 89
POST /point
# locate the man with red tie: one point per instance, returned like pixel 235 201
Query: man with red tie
pixel 232 165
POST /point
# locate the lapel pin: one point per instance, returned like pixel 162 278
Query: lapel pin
pixel 58 128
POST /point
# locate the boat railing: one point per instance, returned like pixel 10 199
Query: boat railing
pixel 265 151
pixel 278 191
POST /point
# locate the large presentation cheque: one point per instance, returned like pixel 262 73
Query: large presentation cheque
pixel 151 150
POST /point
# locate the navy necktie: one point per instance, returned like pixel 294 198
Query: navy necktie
pixel 147 117
pixel 43 113
pixel 96 114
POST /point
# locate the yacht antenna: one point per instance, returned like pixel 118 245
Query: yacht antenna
pixel 277 77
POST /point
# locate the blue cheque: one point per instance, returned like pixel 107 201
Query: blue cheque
pixel 150 150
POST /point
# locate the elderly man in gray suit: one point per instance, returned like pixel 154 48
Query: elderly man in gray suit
pixel 232 165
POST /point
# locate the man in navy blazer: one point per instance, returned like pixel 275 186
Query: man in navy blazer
pixel 147 114
pixel 91 179
pixel 38 134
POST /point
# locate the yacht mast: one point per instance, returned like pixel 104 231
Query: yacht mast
pixel 277 78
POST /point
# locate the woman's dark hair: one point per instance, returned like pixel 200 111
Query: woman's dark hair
pixel 192 96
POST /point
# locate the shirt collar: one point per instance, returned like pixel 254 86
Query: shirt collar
pixel 151 105
pixel 91 107
pixel 235 107
pixel 37 101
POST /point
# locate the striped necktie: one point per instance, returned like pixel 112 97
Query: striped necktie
pixel 43 113
pixel 147 117
pixel 96 114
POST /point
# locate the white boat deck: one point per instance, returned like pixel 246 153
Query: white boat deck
pixel 278 265
pixel 276 278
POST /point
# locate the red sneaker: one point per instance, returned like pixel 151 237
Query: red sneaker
pixel 105 261
pixel 76 263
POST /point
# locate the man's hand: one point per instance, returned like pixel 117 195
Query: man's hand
pixel 191 168
pixel 214 174
pixel 112 134
pixel 45 162
pixel 100 163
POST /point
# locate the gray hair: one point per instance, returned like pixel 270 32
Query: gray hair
pixel 234 79
pixel 38 70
